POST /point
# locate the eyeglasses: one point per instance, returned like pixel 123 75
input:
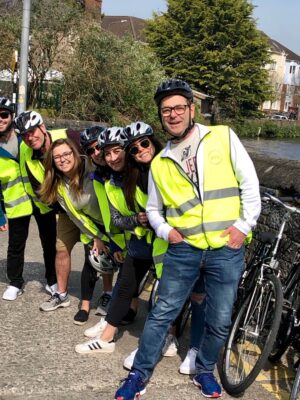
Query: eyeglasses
pixel 136 148
pixel 65 156
pixel 4 114
pixel 91 150
pixel 179 110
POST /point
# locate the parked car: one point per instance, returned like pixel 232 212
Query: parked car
pixel 279 117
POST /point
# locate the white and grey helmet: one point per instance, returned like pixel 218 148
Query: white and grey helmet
pixel 27 121
pixel 137 130
pixel 6 104
pixel 103 263
pixel 114 135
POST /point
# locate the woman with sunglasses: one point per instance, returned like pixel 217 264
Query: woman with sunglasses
pixel 68 180
pixel 127 194
pixel 90 146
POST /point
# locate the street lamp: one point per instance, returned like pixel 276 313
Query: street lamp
pixel 22 92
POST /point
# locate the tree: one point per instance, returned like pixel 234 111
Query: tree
pixel 214 45
pixel 110 79
pixel 52 31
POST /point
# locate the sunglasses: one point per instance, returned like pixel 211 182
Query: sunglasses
pixel 4 114
pixel 91 150
pixel 135 149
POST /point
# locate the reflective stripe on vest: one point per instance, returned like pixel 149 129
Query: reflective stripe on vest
pixel 113 232
pixel 116 197
pixel 87 227
pixel 36 167
pixel 201 223
pixel 16 201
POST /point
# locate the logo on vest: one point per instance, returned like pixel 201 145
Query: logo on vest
pixel 215 157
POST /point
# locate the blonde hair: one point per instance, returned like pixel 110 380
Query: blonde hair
pixel 53 177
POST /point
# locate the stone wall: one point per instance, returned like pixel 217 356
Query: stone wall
pixel 283 176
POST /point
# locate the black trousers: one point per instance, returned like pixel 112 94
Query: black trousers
pixel 17 237
pixel 88 277
pixel 132 272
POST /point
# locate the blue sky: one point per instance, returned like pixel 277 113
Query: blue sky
pixel 279 19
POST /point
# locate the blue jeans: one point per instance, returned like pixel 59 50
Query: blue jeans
pixel 221 270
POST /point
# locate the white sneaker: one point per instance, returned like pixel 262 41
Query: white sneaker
pixel 128 362
pixel 170 346
pixel 188 367
pixel 96 330
pixel 51 289
pixel 11 293
pixel 95 346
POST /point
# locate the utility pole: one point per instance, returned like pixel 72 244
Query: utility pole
pixel 22 92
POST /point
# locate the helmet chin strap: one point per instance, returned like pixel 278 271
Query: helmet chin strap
pixel 42 148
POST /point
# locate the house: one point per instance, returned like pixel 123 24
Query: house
pixel 284 74
pixel 125 26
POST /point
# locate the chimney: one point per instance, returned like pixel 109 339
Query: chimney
pixel 94 7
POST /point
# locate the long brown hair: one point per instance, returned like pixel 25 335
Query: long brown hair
pixel 48 189
pixel 133 171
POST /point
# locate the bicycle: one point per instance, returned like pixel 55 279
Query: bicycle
pixel 257 312
pixel 295 393
pixel 288 332
pixel 183 317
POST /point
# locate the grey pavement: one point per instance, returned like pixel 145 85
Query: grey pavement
pixel 37 357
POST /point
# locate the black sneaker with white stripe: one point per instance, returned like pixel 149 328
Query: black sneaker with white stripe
pixel 103 304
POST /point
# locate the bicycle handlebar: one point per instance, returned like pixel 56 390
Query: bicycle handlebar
pixel 281 201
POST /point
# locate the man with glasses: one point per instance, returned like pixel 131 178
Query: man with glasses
pixel 30 127
pixel 203 199
pixel 19 207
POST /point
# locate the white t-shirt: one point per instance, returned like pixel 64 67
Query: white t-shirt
pixel 185 154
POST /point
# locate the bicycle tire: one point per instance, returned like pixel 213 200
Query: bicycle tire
pixel 148 275
pixel 261 311
pixel 153 295
pixel 284 337
pixel 286 329
pixel 295 393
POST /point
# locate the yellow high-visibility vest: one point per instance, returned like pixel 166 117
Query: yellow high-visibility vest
pixel 201 222
pixel 17 203
pixel 116 197
pixel 36 167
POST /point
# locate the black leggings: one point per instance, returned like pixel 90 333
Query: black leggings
pixel 88 277
pixel 132 272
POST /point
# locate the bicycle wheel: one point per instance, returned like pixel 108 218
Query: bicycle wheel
pixel 252 336
pixel 295 393
pixel 286 330
pixel 153 295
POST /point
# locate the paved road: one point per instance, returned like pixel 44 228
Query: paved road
pixel 37 357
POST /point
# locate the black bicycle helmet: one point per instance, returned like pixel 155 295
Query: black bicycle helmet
pixel 114 135
pixel 173 86
pixel 6 104
pixel 136 130
pixel 90 135
pixel 26 121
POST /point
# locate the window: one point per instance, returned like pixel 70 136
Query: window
pixel 292 69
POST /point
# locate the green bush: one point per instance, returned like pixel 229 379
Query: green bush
pixel 111 79
pixel 264 128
